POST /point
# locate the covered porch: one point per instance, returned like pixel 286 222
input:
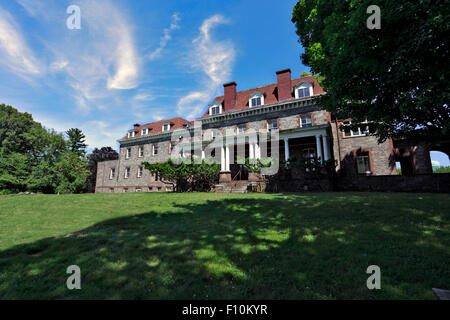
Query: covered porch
pixel 302 143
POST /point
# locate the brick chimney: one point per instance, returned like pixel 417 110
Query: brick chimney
pixel 284 84
pixel 229 101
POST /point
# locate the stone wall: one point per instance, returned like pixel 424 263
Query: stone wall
pixel 133 183
pixel 398 183
pixel 381 154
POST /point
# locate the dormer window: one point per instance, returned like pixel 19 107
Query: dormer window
pixel 304 89
pixel 256 99
pixel 215 109
pixel 166 127
pixel 131 134
pixel 144 131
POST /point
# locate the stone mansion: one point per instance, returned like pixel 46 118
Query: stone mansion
pixel 287 107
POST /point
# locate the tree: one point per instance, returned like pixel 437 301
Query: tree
pixel 98 155
pixel 187 176
pixel 76 141
pixel 34 158
pixel 394 77
pixel 13 128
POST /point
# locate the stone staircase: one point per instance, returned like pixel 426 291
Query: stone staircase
pixel 239 186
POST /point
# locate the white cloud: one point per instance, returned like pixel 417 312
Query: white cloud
pixel 14 52
pixel 35 8
pixel 59 65
pixel 99 59
pixel 215 59
pixel 143 97
pixel 167 35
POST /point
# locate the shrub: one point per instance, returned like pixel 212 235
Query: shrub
pixel 187 176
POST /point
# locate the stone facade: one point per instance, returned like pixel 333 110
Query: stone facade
pixel 318 136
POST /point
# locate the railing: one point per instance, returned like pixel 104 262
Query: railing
pixel 239 173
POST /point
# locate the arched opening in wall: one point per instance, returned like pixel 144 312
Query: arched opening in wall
pixel 440 162
pixel 398 166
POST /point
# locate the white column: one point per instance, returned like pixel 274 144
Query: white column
pixel 286 149
pixel 319 148
pixel 325 148
pixel 257 151
pixel 222 158
pixel 251 151
pixel 203 154
pixel 227 158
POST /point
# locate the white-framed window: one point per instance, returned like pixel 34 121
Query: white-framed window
pixel 128 153
pixel 138 190
pixel 141 151
pixel 359 131
pixel 131 134
pixel 215 109
pixel 363 163
pixel 306 120
pixel 304 89
pixel 159 188
pixel 272 124
pixel 166 127
pixel 140 171
pixel 127 172
pixel 144 131
pixel 214 133
pixel 256 100
pixel 155 149
pixel 171 147
pixel 241 128
pixel 112 173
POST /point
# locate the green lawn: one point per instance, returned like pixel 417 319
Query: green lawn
pixel 220 246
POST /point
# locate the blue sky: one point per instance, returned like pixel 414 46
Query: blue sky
pixel 138 61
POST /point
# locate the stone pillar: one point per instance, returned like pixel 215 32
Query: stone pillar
pixel 325 148
pixel 286 149
pixel 319 148
pixel 203 154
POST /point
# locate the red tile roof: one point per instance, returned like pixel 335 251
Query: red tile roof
pixel 156 127
pixel 270 94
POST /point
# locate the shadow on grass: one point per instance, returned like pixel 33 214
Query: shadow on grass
pixel 288 247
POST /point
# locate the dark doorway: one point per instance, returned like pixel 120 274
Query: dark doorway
pixel 238 171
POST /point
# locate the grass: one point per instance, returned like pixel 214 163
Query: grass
pixel 216 246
